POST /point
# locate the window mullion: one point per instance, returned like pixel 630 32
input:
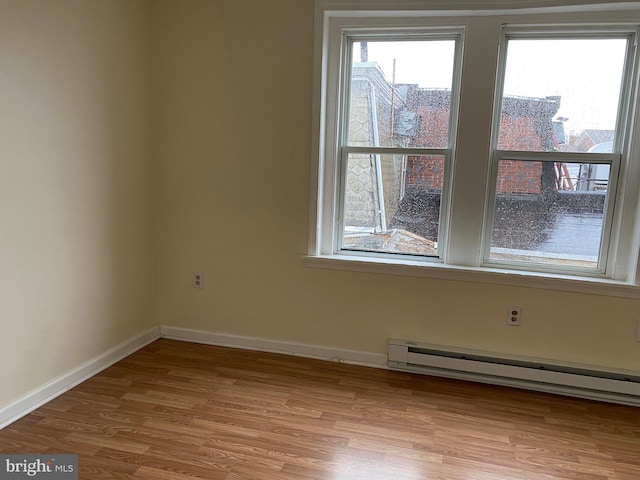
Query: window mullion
pixel 470 163
pixel 625 243
pixel 568 157
pixel 397 150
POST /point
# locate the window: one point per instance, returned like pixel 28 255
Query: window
pixel 558 147
pixel 493 142
pixel 402 97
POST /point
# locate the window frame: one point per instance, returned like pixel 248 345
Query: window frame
pixel 349 37
pixel 614 159
pixel 465 261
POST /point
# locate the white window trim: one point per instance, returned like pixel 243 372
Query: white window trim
pixel 432 32
pixel 465 253
pixel 614 160
pixel 494 276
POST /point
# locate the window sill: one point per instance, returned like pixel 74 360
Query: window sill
pixel 545 281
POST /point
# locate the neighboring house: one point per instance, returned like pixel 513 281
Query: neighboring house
pixel 374 185
pixel 526 124
pixel 587 139
pixel 399 196
pixel 382 114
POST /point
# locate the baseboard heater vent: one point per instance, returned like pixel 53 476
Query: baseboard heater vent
pixel 567 379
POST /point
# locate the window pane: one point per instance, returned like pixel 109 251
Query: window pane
pixel 401 93
pixel 392 203
pixel 561 94
pixel 549 213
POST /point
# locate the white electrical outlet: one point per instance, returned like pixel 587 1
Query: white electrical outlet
pixel 198 281
pixel 514 316
pixel 638 332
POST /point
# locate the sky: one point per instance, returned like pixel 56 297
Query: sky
pixel 586 73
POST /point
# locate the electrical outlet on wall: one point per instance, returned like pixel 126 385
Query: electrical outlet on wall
pixel 638 331
pixel 198 281
pixel 514 316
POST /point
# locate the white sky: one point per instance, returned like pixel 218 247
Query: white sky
pixel 585 73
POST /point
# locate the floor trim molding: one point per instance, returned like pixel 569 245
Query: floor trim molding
pixel 56 387
pixel 318 352
pixel 59 385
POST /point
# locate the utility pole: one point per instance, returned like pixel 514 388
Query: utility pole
pixel 364 51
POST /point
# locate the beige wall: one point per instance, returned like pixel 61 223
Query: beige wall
pixel 76 245
pixel 227 86
pixel 232 146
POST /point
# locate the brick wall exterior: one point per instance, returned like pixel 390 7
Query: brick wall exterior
pixel 375 185
pixel 517 133
pixel 519 178
pixel 425 174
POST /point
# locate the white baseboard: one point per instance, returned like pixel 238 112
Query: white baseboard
pixel 59 385
pixel 52 389
pixel 353 357
pixel 56 387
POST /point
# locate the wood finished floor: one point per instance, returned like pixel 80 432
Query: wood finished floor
pixel 176 410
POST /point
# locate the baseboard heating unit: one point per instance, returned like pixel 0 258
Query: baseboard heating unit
pixel 565 379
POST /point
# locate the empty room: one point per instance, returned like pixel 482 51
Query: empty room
pixel 320 239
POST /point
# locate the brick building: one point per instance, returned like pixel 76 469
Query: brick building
pixel 392 202
pixel 526 124
pixel 589 138
pixel 388 115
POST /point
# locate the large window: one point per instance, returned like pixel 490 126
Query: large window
pixel 487 142
pixel 399 129
pixel 559 129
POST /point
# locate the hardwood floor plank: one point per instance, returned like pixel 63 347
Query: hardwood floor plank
pixel 179 463
pixel 96 467
pixel 104 440
pixel 151 473
pixel 42 440
pixel 177 411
